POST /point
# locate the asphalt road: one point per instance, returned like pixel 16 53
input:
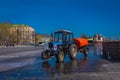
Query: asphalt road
pixel 28 65
pixel 9 50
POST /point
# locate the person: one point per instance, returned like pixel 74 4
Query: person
pixel 13 45
pixel 46 46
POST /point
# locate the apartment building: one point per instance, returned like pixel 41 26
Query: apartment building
pixel 24 34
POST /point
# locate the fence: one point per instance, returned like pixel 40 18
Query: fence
pixel 112 38
pixel 111 49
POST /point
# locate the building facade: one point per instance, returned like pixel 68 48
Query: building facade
pixel 46 38
pixel 97 38
pixel 24 34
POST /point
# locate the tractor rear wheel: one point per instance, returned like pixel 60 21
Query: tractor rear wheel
pixel 73 51
pixel 85 51
pixel 60 56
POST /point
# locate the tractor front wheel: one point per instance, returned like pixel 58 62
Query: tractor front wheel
pixel 44 54
pixel 73 51
pixel 60 56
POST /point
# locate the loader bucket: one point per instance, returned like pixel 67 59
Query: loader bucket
pixel 81 42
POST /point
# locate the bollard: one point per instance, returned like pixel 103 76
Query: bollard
pixel 108 55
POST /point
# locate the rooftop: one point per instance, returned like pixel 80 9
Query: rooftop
pixel 63 31
pixel 20 25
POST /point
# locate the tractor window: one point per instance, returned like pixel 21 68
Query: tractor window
pixel 70 37
pixel 58 37
pixel 67 37
pixel 64 37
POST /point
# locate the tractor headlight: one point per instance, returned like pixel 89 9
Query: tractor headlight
pixel 55 47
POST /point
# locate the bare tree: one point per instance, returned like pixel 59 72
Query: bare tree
pixel 4 32
pixel 84 36
pixel 38 38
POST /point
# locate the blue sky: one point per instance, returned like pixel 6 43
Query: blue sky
pixel 80 16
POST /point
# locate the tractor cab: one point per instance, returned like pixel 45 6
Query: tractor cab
pixel 63 36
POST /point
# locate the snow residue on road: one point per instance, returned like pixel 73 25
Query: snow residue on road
pixel 5 66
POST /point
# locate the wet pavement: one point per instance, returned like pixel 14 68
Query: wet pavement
pixel 11 50
pixel 93 67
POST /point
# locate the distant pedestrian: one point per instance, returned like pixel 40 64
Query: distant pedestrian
pixel 12 44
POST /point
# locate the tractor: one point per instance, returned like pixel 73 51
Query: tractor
pixel 64 43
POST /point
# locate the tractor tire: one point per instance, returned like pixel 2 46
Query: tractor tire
pixel 60 56
pixel 73 51
pixel 85 51
pixel 44 54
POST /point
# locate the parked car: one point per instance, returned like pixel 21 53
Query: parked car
pixel 39 44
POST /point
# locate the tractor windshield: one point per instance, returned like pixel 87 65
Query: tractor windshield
pixel 58 37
